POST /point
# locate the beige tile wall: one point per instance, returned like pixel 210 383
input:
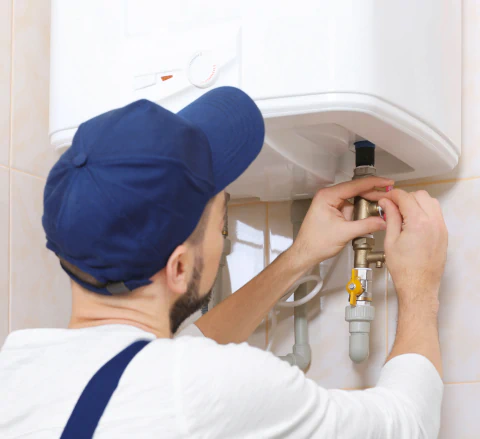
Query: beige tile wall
pixel 5 72
pixel 4 241
pixel 31 151
pixel 34 291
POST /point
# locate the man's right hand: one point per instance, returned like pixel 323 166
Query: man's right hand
pixel 415 250
pixel 415 253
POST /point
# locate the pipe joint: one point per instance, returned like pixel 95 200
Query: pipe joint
pixel 303 355
pixel 300 357
pixel 375 257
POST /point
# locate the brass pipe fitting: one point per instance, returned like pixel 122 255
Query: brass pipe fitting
pixel 363 246
pixel 363 208
pixel 360 259
pixel 376 257
pixel 374 209
pixel 364 255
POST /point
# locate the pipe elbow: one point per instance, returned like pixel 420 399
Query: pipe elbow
pixel 303 355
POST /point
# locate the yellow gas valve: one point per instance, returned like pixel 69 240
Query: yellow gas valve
pixel 354 287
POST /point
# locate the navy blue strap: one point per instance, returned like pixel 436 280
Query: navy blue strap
pixel 92 402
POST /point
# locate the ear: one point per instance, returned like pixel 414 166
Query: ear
pixel 178 269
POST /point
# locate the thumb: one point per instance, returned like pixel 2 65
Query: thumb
pixel 354 229
pixel 394 219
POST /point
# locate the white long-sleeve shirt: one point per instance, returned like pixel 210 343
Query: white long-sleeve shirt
pixel 191 387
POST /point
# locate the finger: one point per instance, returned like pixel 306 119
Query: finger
pixel 354 229
pixel 406 202
pixel 347 210
pixel 374 195
pixel 350 189
pixel 426 202
pixel 394 219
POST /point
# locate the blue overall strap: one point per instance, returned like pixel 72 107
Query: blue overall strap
pixel 92 402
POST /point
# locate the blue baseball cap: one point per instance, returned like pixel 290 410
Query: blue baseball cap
pixel 135 182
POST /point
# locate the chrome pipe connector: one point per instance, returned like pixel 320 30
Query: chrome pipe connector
pixel 365 276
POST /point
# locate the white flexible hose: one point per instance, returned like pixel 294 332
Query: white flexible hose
pixel 282 303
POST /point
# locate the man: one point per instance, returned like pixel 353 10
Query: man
pixel 134 211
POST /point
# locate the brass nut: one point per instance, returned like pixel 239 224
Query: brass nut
pixel 364 242
pixel 364 171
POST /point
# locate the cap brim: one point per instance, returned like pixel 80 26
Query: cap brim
pixel 234 128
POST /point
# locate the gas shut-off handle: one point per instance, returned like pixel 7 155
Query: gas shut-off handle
pixel 354 287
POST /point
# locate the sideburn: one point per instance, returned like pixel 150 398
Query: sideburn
pixel 189 302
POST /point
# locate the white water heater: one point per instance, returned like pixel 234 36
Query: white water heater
pixel 324 73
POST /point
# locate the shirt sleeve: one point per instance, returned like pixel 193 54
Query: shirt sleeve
pixel 242 392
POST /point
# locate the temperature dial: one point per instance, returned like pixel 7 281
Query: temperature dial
pixel 202 70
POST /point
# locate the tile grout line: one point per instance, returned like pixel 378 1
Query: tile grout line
pixel 266 261
pixel 399 186
pixel 10 152
pixel 9 260
pixel 27 173
pixel 446 384
pixel 431 183
pixel 253 203
pixel 386 312
pixel 461 383
pixel 10 173
pixel 8 168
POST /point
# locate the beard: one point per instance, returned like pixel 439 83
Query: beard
pixel 191 301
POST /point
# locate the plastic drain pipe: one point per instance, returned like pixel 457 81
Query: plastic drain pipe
pixel 302 353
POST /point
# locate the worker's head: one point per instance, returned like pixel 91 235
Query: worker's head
pixel 137 203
